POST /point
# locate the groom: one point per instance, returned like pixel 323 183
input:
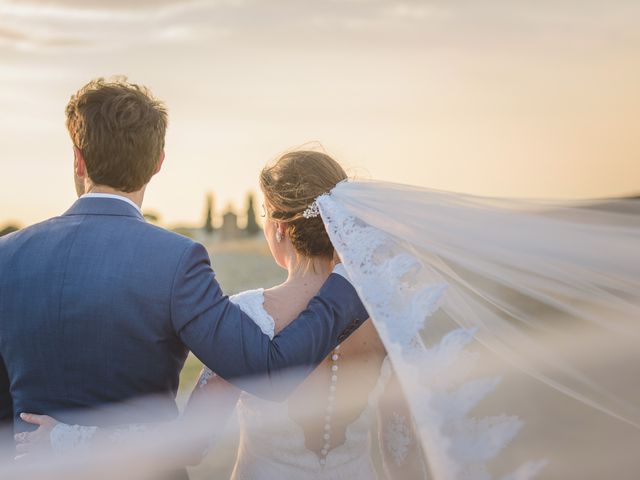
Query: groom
pixel 98 307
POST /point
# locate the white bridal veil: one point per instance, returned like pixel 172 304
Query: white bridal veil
pixel 513 325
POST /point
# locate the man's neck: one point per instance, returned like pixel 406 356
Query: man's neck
pixel 135 197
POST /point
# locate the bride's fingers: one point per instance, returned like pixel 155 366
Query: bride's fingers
pixel 36 419
pixel 20 437
pixel 32 437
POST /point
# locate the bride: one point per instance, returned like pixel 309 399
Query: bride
pixel 324 429
pixel 465 294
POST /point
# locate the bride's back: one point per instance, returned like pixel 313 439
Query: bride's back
pixel 353 370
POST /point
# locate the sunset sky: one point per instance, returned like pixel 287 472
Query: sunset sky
pixel 499 97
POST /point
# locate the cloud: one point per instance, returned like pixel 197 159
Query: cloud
pixel 9 34
pixel 42 25
pixel 63 25
pixel 101 11
pixel 98 4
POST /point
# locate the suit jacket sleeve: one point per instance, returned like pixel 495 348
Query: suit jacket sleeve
pixel 226 340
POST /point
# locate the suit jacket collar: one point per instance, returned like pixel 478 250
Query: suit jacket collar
pixel 103 206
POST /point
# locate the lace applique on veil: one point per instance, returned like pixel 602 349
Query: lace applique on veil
pixel 398 437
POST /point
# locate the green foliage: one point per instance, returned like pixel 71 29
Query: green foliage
pixel 190 373
pixel 208 223
pixel 8 229
pixel 252 225
pixel 152 217
pixel 185 232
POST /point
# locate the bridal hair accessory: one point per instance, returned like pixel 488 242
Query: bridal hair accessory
pixel 312 211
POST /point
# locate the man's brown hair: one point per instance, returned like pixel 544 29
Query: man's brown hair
pixel 119 127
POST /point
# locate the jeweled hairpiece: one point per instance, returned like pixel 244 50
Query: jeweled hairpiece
pixel 312 211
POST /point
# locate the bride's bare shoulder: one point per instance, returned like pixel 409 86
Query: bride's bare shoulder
pixel 283 304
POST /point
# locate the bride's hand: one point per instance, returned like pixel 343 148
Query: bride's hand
pixel 38 440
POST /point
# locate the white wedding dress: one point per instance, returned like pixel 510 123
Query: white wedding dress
pixel 272 445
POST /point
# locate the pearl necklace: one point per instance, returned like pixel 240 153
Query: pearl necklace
pixel 330 405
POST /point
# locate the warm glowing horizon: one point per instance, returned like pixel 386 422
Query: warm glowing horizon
pixel 499 98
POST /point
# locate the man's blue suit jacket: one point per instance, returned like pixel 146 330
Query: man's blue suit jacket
pixel 98 307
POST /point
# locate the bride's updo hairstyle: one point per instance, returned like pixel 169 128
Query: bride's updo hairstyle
pixel 290 186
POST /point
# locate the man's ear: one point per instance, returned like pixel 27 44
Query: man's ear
pixel 160 162
pixel 79 164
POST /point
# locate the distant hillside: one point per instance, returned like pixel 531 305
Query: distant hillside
pixel 8 229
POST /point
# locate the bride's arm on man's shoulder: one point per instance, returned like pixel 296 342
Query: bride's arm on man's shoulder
pixel 402 456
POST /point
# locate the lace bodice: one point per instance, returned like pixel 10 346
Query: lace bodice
pixel 273 445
